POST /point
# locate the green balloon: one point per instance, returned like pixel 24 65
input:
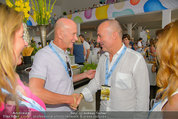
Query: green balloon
pixel 78 19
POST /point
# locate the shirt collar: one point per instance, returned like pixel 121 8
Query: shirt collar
pixel 58 49
pixel 118 52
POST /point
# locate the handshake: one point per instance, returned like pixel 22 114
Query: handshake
pixel 75 100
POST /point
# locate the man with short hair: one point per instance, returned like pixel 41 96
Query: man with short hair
pixel 51 77
pixel 86 45
pixel 139 45
pixel 122 74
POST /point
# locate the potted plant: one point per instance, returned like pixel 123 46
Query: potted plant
pixel 42 13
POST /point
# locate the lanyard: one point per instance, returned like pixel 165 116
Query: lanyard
pixel 154 106
pixel 30 102
pixel 108 73
pixel 60 58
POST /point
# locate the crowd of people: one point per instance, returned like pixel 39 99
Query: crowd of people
pixel 121 75
pixel 148 51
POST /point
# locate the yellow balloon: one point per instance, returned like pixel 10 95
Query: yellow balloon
pixel 101 12
pixel 69 16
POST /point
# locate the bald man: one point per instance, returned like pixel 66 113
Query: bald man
pixel 121 74
pixel 51 77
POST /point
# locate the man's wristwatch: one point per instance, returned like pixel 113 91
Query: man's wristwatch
pixel 81 95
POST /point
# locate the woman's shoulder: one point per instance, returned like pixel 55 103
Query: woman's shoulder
pixel 172 104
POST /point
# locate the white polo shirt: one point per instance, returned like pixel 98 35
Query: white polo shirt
pixel 47 66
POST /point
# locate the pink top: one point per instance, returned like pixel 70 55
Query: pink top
pixel 29 95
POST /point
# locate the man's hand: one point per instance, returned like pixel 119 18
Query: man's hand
pixel 79 99
pixel 90 74
pixel 75 104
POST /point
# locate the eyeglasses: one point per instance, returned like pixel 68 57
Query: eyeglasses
pixel 69 69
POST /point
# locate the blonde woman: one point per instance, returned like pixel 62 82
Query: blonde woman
pixel 78 51
pixel 167 77
pixel 14 96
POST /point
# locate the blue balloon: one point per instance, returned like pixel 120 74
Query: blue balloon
pixel 29 23
pixel 153 5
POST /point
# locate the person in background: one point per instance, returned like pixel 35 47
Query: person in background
pixel 86 45
pixel 51 77
pixel 131 42
pixel 14 95
pixel 139 45
pixel 167 76
pixel 126 40
pixel 91 45
pixel 155 66
pixel 78 51
pixel 152 53
pixel 39 45
pixel 95 43
pixel 122 73
pixel 97 49
pixel 134 46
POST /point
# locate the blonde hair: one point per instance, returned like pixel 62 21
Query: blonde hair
pixel 167 51
pixel 78 41
pixel 10 22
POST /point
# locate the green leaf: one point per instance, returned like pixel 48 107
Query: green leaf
pixel 52 5
pixel 49 5
pixel 13 2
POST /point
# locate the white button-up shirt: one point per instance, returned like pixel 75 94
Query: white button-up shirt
pixel 129 83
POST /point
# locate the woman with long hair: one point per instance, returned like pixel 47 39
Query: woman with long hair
pixel 14 96
pixel 167 76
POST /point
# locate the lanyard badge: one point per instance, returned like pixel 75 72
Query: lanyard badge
pixel 105 92
pixel 105 89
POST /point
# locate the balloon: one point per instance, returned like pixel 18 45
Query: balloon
pixel 29 23
pixel 153 5
pixel 78 19
pixel 88 13
pixel 101 12
pixel 69 16
pixel 134 2
pixel 34 23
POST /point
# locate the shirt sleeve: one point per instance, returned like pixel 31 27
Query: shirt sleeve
pixel 87 46
pixel 39 67
pixel 139 44
pixel 93 85
pixel 141 79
